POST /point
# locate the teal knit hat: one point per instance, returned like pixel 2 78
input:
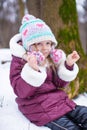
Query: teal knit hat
pixel 35 30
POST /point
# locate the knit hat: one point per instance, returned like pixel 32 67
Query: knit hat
pixel 35 30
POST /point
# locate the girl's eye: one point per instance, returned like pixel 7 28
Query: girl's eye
pixel 39 44
pixel 42 44
pixel 48 43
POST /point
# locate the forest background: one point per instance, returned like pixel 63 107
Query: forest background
pixel 67 22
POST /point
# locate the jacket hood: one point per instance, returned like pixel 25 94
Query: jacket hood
pixel 15 48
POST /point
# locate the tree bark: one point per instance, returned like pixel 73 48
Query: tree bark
pixel 21 8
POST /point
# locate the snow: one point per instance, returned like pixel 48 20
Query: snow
pixel 10 117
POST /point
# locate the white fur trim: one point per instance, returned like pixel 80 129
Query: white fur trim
pixel 33 77
pixel 16 49
pixel 66 74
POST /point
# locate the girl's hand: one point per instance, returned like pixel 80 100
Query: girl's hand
pixel 32 61
pixel 72 58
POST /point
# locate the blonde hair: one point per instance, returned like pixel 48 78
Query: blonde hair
pixel 51 64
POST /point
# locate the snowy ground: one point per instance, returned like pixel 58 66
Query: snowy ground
pixel 10 116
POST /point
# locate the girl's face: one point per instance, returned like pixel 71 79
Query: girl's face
pixel 44 47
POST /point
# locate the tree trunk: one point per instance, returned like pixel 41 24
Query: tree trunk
pixel 34 7
pixel 21 8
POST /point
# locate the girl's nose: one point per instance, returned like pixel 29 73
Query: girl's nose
pixel 44 46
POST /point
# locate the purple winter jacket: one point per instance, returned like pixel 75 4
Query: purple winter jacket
pixel 41 104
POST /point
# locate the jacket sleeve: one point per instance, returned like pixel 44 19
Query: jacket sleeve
pixel 24 80
pixel 64 75
pixel 59 83
pixel 67 74
pixel 20 87
pixel 15 48
pixel 32 77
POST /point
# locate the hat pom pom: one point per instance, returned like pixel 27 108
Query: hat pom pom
pixel 27 18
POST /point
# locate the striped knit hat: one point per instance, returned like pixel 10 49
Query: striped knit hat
pixel 35 30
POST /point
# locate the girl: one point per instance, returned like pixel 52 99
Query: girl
pixel 38 72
